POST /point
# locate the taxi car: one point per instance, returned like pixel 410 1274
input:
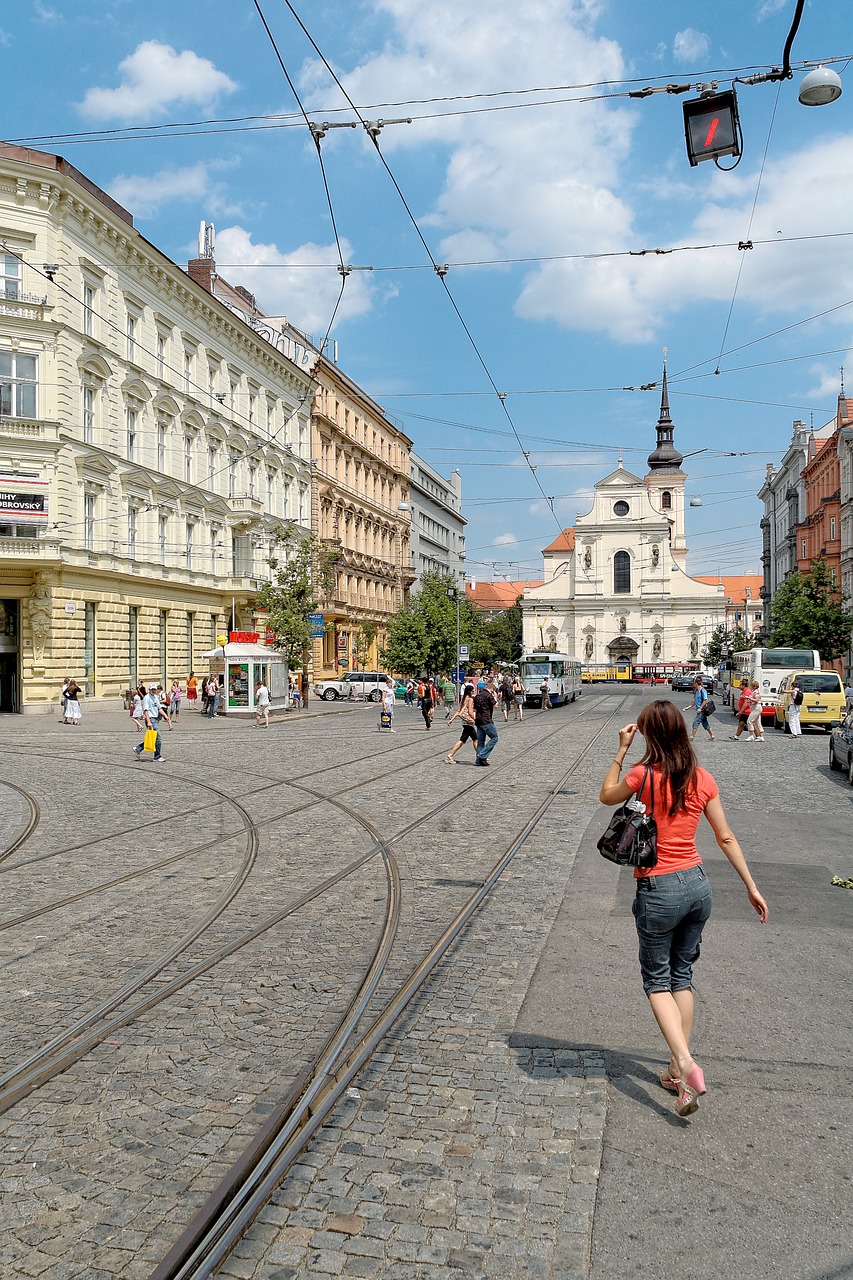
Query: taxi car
pixel 823 700
pixel 841 747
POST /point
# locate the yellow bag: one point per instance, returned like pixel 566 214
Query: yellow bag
pixel 149 742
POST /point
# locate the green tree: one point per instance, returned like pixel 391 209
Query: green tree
pixel 301 570
pixel 735 641
pixel 422 637
pixel 808 613
pixel 504 631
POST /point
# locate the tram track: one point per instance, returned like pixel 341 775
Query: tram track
pixel 30 826
pixel 63 1050
pixel 148 825
pixel 229 1211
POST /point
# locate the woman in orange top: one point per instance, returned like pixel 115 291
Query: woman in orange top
pixel 673 899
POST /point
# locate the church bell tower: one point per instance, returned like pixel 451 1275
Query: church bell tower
pixel 665 478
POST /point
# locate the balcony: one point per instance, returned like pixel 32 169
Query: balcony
pixel 30 429
pixel 246 506
pixel 27 306
pixel 41 549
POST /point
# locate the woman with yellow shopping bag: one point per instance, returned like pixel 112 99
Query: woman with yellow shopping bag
pixel 151 712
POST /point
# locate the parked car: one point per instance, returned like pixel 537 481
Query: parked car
pixel 823 702
pixel 364 684
pixel 682 682
pixel 841 747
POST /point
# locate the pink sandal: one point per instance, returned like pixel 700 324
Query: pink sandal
pixel 669 1082
pixel 690 1090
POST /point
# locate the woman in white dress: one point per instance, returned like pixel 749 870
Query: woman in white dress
pixel 73 714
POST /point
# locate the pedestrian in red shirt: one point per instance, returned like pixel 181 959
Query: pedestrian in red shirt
pixel 673 898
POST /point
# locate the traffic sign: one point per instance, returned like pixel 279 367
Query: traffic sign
pixel 464 652
pixel 711 126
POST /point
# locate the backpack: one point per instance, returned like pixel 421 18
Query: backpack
pixel 797 696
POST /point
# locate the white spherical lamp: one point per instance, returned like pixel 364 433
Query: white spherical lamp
pixel 819 87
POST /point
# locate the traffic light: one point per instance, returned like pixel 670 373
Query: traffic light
pixel 711 126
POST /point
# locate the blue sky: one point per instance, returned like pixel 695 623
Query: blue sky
pixel 502 166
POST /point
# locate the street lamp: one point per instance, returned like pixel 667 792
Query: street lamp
pixel 453 594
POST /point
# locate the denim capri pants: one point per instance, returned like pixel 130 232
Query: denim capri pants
pixel 701 721
pixel 670 912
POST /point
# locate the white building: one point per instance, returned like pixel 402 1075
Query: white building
pixel 616 586
pixel 150 445
pixel 438 525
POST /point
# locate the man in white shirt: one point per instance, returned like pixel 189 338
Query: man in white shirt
pixel 151 714
pixel 262 705
pixel 388 700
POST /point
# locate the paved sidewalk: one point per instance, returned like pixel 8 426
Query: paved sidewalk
pixel 757 1183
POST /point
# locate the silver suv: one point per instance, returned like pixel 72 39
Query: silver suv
pixel 355 684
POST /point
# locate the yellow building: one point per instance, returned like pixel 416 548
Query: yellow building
pixel 360 508
pixel 151 442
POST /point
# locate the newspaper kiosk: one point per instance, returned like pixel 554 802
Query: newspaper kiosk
pixel 240 663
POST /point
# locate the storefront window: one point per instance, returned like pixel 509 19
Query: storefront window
pixel 238 684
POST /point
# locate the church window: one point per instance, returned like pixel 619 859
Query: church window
pixel 622 573
pixel 666 500
pixel 620 508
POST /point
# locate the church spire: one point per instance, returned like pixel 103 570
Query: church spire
pixel 665 457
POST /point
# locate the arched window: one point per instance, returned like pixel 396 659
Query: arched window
pixel 622 573
pixel 666 500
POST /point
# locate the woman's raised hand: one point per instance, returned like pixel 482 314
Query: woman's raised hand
pixel 626 735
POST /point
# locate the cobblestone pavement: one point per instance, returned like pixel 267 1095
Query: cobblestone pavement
pixel 456 1153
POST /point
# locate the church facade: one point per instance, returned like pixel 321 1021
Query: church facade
pixel 616 586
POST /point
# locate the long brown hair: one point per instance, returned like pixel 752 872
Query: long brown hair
pixel 668 749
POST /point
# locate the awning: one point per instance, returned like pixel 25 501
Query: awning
pixel 237 652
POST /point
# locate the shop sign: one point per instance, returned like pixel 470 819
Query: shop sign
pixel 23 501
pixel 269 637
pixel 343 642
pixel 317 623
pixel 244 637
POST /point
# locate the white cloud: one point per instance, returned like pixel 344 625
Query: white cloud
pixel 504 540
pixel 690 45
pixel 5 38
pixel 283 287
pixel 154 78
pixel 770 7
pixel 47 16
pixel 144 196
pixel 552 180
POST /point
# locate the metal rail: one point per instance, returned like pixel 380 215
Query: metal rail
pixel 34 819
pixel 228 1212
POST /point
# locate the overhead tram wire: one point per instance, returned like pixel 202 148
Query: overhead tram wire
pixel 746 239
pixel 132 133
pixel 373 134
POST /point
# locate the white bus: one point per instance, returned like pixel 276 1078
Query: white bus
pixel 767 666
pixel 562 671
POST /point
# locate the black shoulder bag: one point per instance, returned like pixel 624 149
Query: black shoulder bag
pixel 631 836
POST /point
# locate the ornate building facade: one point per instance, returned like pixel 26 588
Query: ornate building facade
pixel 616 585
pixel 151 442
pixel 360 512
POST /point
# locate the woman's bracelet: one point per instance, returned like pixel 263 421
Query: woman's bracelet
pixel 619 762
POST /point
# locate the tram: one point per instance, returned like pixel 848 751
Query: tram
pixel 663 672
pixel 596 672
pixel 562 671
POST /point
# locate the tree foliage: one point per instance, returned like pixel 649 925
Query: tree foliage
pixel 500 637
pixel 301 571
pixel 808 613
pixel 422 637
pixel 735 640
